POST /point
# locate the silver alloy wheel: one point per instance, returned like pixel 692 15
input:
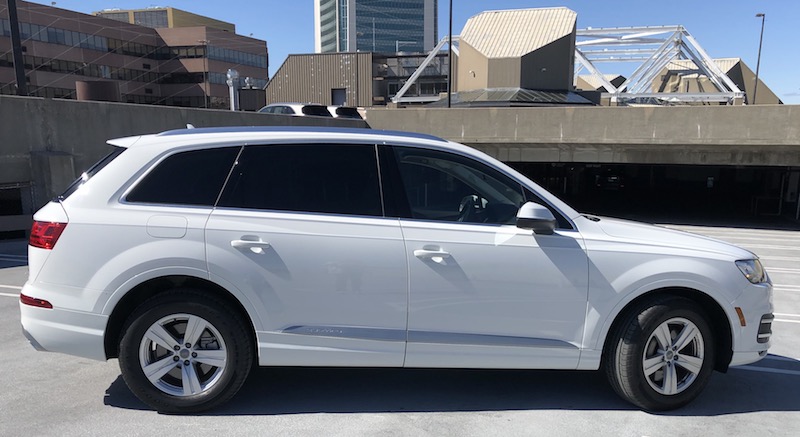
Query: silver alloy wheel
pixel 182 355
pixel 673 356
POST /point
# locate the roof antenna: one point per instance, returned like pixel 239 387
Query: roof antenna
pixel 189 126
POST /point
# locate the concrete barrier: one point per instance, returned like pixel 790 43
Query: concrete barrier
pixel 763 135
pixel 49 142
pixel 46 143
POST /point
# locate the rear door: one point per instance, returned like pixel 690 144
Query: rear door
pixel 300 231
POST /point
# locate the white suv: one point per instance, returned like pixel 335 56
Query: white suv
pixel 191 255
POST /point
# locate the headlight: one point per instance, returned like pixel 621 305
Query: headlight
pixel 752 270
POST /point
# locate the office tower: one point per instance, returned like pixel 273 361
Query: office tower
pixel 375 25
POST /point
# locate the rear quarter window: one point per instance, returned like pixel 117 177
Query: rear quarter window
pixel 93 170
pixel 319 111
pixel 186 178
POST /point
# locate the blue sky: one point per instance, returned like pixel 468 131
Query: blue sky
pixel 724 28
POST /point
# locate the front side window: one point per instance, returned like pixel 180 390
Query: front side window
pixel 186 178
pixel 334 179
pixel 447 187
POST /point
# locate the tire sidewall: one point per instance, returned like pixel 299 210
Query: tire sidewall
pixel 648 321
pixel 153 311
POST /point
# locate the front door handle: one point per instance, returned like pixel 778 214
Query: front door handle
pixel 257 246
pixel 435 255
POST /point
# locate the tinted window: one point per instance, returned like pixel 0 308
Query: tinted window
pixel 186 178
pixel 348 112
pixel 338 179
pixel 448 187
pixel 319 111
pixel 93 170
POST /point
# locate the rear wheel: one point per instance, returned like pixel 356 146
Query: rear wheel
pixel 661 355
pixel 185 351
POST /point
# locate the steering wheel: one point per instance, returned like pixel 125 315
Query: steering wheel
pixel 469 209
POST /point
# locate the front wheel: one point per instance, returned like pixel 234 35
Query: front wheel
pixel 661 355
pixel 184 352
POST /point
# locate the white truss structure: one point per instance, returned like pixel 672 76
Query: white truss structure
pixel 398 98
pixel 653 47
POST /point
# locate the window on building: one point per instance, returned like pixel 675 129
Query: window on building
pixel 153 19
pixel 117 16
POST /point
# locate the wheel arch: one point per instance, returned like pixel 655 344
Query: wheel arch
pixel 718 321
pixel 155 286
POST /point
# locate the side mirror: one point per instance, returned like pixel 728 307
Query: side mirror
pixel 536 218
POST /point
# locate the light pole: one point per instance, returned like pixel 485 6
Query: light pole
pixel 205 43
pixel 450 57
pixel 233 88
pixel 758 63
pixel 16 49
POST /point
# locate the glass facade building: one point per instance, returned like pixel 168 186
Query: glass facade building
pixel 375 25
pixel 150 65
pixel 154 19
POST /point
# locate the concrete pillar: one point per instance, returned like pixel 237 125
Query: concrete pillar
pixel 53 172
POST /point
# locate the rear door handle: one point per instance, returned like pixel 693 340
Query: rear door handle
pixel 254 246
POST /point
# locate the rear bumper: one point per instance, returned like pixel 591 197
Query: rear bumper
pixel 69 332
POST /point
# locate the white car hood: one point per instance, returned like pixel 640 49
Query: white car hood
pixel 652 235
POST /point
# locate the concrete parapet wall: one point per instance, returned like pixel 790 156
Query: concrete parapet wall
pixel 767 135
pixel 49 142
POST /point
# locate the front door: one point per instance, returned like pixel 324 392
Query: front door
pixel 484 293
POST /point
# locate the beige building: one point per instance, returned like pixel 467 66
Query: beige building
pixel 682 77
pixel 588 82
pixel 355 79
pixel 525 48
pixel 157 17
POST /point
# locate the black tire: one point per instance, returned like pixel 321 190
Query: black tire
pixel 199 385
pixel 637 340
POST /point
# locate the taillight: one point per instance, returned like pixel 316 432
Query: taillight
pixel 45 234
pixel 34 302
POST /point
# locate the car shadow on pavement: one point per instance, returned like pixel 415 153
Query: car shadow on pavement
pixel 278 391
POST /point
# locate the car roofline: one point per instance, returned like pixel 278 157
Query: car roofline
pixel 293 129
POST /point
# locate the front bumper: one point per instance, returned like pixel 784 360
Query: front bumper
pixel 752 341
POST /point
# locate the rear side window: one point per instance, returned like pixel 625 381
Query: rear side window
pixel 319 111
pixel 335 179
pixel 186 178
pixel 93 170
pixel 348 112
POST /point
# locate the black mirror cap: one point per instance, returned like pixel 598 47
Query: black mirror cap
pixel 538 226
pixel 537 218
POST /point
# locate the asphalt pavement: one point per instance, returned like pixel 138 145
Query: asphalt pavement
pixel 46 394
